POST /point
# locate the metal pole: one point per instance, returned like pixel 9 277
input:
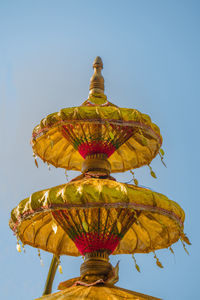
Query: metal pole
pixel 51 274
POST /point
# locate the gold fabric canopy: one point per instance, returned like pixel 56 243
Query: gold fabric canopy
pixel 128 136
pixel 97 292
pixel 94 215
pixel 158 220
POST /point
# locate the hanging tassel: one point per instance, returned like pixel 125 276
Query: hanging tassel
pixel 18 246
pixel 41 261
pixel 157 261
pixel 59 267
pixel 23 248
pixel 136 265
pixel 161 153
pixel 152 172
pixel 48 167
pixel 184 247
pixel 171 250
pixel 66 175
pixel 35 159
pixel 134 179
pixel 185 238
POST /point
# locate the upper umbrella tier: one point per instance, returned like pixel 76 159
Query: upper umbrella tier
pixel 123 138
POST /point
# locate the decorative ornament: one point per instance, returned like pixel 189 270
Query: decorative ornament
pixel 93 215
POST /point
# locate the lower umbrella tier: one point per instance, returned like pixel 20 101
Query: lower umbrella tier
pixel 64 219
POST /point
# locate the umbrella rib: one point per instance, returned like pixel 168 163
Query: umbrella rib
pixel 38 217
pixel 133 149
pixel 60 243
pixel 47 240
pixel 142 226
pixel 163 226
pixel 38 230
pixel 136 238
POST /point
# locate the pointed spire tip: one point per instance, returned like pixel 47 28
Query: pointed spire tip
pixel 98 62
pixel 97 80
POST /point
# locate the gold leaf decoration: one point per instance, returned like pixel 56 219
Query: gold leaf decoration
pixel 153 174
pixel 163 162
pixel 162 152
pixel 159 264
pixel 134 179
pixel 18 247
pixel 185 239
pixel 137 268
pixel 66 175
pixel 60 269
pixel 136 265
pixel 184 247
pixel 36 163
pixel 157 261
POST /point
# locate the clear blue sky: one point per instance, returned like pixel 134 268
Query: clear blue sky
pixel 151 55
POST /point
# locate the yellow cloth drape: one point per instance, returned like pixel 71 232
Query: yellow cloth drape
pixel 160 222
pixel 51 146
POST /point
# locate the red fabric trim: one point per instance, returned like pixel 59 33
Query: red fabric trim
pixel 96 147
pixel 92 241
pixel 88 284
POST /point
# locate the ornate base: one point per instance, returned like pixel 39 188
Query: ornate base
pixel 96 163
pixel 96 266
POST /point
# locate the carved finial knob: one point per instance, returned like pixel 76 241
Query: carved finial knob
pixel 97 80
pixel 98 62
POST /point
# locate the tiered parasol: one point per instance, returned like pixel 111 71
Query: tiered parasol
pixel 94 215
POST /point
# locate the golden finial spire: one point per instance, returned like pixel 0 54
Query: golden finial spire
pixel 97 80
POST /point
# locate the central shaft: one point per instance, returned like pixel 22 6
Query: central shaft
pixel 96 163
pixel 96 266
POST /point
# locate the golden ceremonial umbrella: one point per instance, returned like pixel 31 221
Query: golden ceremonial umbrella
pixel 126 137
pixel 95 218
pixel 94 215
